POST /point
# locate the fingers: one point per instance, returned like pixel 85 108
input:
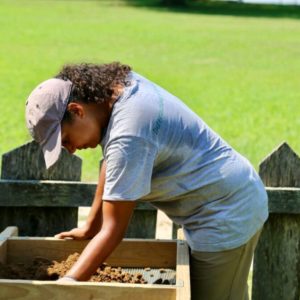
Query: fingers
pixel 63 235
pixel 75 233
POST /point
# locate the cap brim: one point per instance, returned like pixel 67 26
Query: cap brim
pixel 52 148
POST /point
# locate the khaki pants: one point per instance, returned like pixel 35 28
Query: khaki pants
pixel 222 275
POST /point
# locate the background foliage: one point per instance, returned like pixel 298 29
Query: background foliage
pixel 236 65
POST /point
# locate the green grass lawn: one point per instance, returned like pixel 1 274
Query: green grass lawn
pixel 238 66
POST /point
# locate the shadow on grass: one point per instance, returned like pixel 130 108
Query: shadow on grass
pixel 224 8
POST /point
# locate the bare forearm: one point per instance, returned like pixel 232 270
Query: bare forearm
pixel 98 249
pixel 94 220
pixel 116 216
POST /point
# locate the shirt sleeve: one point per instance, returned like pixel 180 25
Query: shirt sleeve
pixel 129 166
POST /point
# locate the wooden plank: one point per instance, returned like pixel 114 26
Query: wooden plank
pixel 36 290
pixel 27 163
pixel 50 193
pixel 142 253
pixel 281 168
pixel 4 235
pixel 39 221
pixel 43 193
pixel 28 198
pixel 142 223
pixel 9 232
pixel 3 251
pixel 276 268
pixel 73 194
pixel 182 269
pixel 276 262
pixel 130 253
pixel 284 200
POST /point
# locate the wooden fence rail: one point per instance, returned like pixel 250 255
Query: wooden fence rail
pixel 44 193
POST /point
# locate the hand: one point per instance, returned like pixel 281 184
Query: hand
pixel 76 234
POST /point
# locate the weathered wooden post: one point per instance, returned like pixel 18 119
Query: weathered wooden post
pixel 276 274
pixel 143 222
pixel 27 163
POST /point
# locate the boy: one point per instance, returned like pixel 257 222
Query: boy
pixel 155 149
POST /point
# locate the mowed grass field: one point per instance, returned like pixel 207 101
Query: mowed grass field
pixel 239 71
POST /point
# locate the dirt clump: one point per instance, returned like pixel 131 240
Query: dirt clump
pixel 43 269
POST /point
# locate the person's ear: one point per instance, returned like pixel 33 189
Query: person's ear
pixel 76 109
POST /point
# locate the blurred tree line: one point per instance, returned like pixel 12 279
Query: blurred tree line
pixel 164 2
pixel 174 2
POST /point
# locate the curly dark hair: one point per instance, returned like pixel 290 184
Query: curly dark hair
pixel 93 83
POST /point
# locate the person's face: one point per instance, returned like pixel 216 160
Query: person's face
pixel 84 129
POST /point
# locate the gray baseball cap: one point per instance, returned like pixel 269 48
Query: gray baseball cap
pixel 45 108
